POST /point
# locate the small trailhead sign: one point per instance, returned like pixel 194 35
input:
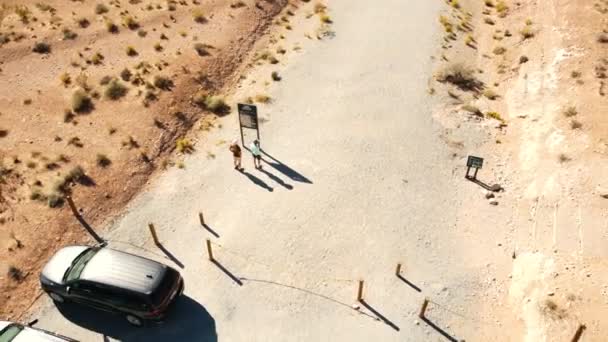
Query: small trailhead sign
pixel 248 118
pixel 473 162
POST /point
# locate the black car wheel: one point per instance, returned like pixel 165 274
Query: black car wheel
pixel 136 321
pixel 57 298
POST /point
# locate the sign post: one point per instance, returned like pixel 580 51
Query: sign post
pixel 248 118
pixel 473 162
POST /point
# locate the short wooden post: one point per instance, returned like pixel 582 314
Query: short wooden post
pixel 201 218
pixel 579 333
pixel 209 251
pixel 360 291
pixel 423 308
pixel 398 270
pixel 70 201
pixel 153 232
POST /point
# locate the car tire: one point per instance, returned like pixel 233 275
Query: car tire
pixel 134 320
pixel 57 298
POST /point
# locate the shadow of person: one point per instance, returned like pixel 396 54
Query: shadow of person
pixel 284 169
pixel 277 179
pixel 256 180
pixel 187 321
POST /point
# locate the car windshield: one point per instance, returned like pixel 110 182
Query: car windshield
pixel 9 333
pixel 78 264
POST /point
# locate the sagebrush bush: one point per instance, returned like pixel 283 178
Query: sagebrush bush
pixel 81 102
pixel 115 90
pixel 41 47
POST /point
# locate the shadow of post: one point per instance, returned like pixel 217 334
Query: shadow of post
pixel 379 315
pixel 439 330
pixel 210 230
pixel 170 255
pixel 494 188
pixel 82 221
pixel 409 283
pixel 227 272
pixel 277 179
pixel 256 180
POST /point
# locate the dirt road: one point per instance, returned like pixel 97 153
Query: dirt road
pixel 355 180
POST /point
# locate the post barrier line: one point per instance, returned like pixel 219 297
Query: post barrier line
pixel 249 258
pixel 445 308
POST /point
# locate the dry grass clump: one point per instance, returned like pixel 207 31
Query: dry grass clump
pixel 65 79
pixel 97 58
pixel 237 4
pixel 575 124
pixel 126 74
pixel 184 145
pixel 130 23
pixel 199 16
pixel 563 158
pixel 115 90
pixel 111 27
pixel 262 98
pixel 163 82
pixel 447 24
pixel 42 48
pixel 490 94
pixel 83 22
pixel 101 9
pixel 527 32
pixel 215 104
pixel 23 12
pixel 488 21
pixel 460 76
pixel 570 112
pixel 502 8
pixel 495 116
pixel 131 52
pixel 81 102
pixel 158 47
pixel 472 109
pixel 602 38
pixel 103 160
pixel 69 34
pixel 499 50
pixel 575 74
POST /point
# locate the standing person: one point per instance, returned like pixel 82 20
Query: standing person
pixel 236 154
pixel 257 154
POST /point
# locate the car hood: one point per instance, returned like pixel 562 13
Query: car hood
pixel 4 324
pixel 60 262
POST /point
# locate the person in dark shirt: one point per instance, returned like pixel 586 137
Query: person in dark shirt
pixel 236 154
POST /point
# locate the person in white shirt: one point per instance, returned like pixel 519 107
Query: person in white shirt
pixel 257 154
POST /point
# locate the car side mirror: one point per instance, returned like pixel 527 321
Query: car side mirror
pixel 32 322
pixel 68 290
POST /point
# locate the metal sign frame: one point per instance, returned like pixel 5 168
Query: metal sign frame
pixel 473 162
pixel 248 112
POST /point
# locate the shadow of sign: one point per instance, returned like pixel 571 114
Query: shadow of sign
pixel 284 169
pixel 187 321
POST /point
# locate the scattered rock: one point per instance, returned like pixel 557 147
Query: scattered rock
pixel 494 202
pixel 356 306
pixel 489 195
pixel 496 188
pixel 551 294
pixel 417 322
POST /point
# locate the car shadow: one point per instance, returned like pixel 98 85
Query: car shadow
pixel 187 321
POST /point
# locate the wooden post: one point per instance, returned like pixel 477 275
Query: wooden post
pixel 423 308
pixel 201 218
pixel 70 201
pixel 398 270
pixel 360 291
pixel 209 251
pixel 579 333
pixel 153 232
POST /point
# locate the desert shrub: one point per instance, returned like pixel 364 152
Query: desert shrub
pixel 55 200
pixel 201 49
pixel 111 27
pixel 488 21
pixel 41 47
pixel 575 74
pixel 126 74
pixel 212 103
pixel 495 115
pixel 527 32
pixel 199 16
pixel 490 94
pixel 562 157
pixel 69 34
pixel 237 4
pixel 184 145
pixel 262 98
pixel 105 80
pixel 461 76
pixel 101 9
pixel 158 47
pixel 103 160
pixel 15 273
pixel 447 24
pixel 570 112
pixel 81 102
pixel 83 22
pixel 97 58
pixel 602 38
pixel 65 79
pixel 3 133
pixel 320 8
pixel 523 59
pixel 502 8
pixel 162 82
pixel 472 109
pixel 273 60
pixel 454 3
pixel 131 52
pixel 489 3
pixel 326 19
pixel 499 50
pixel 130 23
pixel 275 76
pixel 115 90
pixel 142 33
pixel 575 124
pixel 23 12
